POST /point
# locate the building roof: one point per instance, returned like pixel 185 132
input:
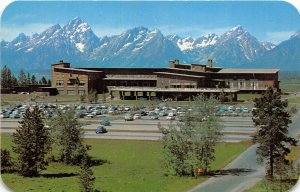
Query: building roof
pixel 129 78
pixel 79 70
pixel 177 74
pixel 261 71
pixel 156 89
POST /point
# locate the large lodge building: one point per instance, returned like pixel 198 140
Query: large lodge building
pixel 177 82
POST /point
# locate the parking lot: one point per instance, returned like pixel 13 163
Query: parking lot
pixel 141 123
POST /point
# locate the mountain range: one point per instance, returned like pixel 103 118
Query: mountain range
pixel 142 47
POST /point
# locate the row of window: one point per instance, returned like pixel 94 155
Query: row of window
pixel 70 83
pixel 241 83
pixel 182 86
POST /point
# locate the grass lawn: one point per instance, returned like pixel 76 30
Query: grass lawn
pixel 131 166
pixel 294 100
pixel 247 97
pixel 18 98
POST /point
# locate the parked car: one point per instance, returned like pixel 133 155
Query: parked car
pixel 128 117
pixel 14 116
pixel 100 129
pixel 153 117
pixel 162 113
pixel 137 116
pixel 104 121
pixel 245 110
pixel 91 115
pixel 171 117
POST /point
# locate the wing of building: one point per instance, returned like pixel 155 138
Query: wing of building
pixel 177 82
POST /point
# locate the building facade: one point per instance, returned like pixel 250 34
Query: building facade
pixel 177 82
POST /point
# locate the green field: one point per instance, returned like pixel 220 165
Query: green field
pixel 290 85
pixel 131 166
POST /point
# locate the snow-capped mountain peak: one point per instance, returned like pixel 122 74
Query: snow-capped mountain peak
pixel 20 39
pixel 81 35
pixel 235 32
pixel 49 32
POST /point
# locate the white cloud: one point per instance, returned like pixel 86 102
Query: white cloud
pixel 278 36
pixel 9 32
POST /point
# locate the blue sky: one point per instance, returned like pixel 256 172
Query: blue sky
pixel 268 21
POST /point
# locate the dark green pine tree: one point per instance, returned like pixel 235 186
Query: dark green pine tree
pixel 43 81
pixel 6 161
pixel 273 119
pixel 86 175
pixel 14 81
pixel 33 80
pixel 6 77
pixel 31 144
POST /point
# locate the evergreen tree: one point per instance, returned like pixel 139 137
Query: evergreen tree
pixel 32 143
pixel 33 80
pixel 273 119
pixel 86 178
pixel 6 77
pixel 6 161
pixel 43 81
pixel 14 81
pixel 49 82
pixel 28 79
pixel 22 78
pixel 190 144
pixel 67 133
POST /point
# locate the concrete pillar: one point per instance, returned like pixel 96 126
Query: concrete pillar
pixel 149 96
pixel 136 95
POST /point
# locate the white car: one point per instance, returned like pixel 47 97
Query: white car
pixel 137 116
pixel 171 117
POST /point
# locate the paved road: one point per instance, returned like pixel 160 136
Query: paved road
pixel 243 172
pixel 238 175
pixel 235 129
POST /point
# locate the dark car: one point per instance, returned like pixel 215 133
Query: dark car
pixel 101 129
pixel 104 121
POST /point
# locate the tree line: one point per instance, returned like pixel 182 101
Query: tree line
pixel 8 80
